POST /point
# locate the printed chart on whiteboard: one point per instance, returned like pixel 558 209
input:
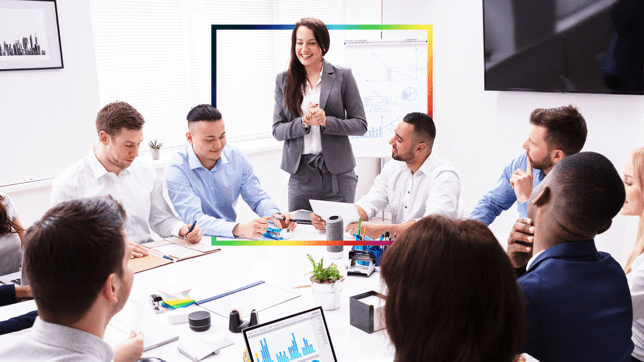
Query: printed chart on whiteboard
pixel 392 78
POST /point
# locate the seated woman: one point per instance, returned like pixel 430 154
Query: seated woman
pixel 11 233
pixel 452 294
pixel 634 267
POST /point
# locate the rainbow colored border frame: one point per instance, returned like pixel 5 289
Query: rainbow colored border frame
pixel 429 28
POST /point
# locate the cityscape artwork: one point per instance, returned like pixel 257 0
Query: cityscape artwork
pixel 29 35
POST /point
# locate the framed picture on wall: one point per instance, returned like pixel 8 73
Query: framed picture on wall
pixel 29 35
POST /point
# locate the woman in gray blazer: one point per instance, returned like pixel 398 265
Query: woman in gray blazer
pixel 317 108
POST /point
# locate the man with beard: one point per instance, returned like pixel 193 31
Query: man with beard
pixel 555 134
pixel 421 184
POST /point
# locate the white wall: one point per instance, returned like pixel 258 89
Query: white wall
pixel 47 118
pixel 480 132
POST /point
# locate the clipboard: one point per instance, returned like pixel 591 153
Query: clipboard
pixel 179 249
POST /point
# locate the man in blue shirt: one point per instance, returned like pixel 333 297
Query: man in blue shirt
pixel 205 179
pixel 577 301
pixel 555 134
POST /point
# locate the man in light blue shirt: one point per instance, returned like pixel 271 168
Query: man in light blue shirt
pixel 205 179
pixel 555 134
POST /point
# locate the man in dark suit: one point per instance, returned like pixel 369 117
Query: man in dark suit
pixel 578 305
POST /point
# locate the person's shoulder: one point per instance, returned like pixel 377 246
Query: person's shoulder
pixel 75 170
pixel 179 158
pixel 235 154
pixel 281 77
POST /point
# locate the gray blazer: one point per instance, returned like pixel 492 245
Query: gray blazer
pixel 345 116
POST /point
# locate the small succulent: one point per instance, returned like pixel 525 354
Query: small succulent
pixel 155 144
pixel 321 274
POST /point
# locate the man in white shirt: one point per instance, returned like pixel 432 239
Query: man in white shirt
pixel 421 184
pixel 72 319
pixel 111 169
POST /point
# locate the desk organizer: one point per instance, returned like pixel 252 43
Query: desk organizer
pixel 364 316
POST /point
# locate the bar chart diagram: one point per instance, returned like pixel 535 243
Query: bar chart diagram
pixel 294 343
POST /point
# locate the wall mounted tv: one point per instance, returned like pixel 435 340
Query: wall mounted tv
pixel 586 46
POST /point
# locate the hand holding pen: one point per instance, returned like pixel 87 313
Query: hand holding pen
pixel 284 221
pixel 191 233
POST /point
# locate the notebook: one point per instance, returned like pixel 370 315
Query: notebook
pixel 302 336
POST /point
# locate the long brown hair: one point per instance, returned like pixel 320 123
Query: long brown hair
pixel 637 158
pixel 452 294
pixel 296 73
pixel 7 225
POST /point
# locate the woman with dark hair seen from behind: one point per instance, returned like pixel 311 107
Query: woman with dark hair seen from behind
pixel 452 294
pixel 11 234
pixel 317 106
pixel 634 267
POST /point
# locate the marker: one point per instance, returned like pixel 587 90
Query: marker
pixel 365 232
pixel 359 223
pixel 190 230
pixel 167 257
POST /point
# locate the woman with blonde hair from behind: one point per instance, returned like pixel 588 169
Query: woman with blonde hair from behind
pixel 634 267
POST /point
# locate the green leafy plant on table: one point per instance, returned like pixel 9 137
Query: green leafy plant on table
pixel 323 275
pixel 155 145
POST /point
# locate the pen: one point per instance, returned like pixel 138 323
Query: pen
pixel 302 286
pixel 359 223
pixel 365 232
pixel 296 220
pixel 190 230
pixel 167 257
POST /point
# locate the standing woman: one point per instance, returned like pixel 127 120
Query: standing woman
pixel 634 267
pixel 317 108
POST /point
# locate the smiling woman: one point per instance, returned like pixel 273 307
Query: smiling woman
pixel 317 106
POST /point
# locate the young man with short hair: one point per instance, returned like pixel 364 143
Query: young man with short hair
pixel 111 169
pixel 555 134
pixel 421 184
pixel 577 300
pixel 77 263
pixel 205 179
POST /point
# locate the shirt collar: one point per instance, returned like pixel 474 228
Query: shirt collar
pixel 194 162
pixel 532 259
pixel 95 164
pixel 71 339
pixel 565 250
pixel 97 167
pixel 320 78
pixel 428 165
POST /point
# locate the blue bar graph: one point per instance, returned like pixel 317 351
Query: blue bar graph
pixel 266 356
pixel 293 350
pixel 308 348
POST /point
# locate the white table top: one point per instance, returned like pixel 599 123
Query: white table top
pixel 282 266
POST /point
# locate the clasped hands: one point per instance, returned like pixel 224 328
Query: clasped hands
pixel 314 116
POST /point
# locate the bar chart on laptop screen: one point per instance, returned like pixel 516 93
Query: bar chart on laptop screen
pixel 300 340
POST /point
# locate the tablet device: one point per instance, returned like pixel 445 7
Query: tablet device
pixel 302 336
pixel 326 209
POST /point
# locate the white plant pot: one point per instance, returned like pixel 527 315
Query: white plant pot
pixel 328 296
pixel 155 152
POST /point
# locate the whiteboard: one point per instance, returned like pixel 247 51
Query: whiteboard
pixel 392 78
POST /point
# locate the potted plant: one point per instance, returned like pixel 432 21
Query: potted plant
pixel 326 284
pixel 155 149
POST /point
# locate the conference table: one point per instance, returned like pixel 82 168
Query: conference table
pixel 280 266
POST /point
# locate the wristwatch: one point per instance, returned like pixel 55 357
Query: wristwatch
pixel 304 124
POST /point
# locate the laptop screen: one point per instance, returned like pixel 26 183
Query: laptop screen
pixel 301 337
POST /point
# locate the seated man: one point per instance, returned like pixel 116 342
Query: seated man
pixel 72 319
pixel 205 179
pixel 578 304
pixel 555 134
pixel 110 169
pixel 422 184
pixel 10 294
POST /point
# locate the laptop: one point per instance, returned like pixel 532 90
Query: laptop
pixel 17 278
pixel 302 336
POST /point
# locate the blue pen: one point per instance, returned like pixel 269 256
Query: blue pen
pixel 190 230
pixel 167 257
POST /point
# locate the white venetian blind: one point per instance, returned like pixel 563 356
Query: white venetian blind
pixel 156 55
